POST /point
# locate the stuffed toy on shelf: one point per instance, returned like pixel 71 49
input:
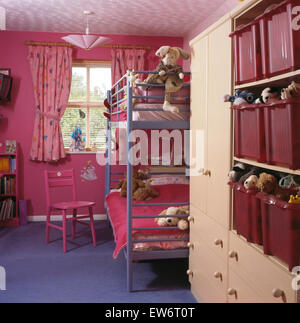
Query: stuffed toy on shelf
pixel 269 93
pixel 240 97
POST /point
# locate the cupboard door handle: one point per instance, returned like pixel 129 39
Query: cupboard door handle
pixel 233 254
pixel 190 245
pixel 207 173
pixel 218 242
pixel 189 272
pixel 277 293
pixel 232 291
pixel 217 274
pixel 191 219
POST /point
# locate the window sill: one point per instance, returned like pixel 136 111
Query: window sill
pixel 84 152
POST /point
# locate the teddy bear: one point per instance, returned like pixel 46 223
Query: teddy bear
pixel 251 182
pixel 174 82
pixel 240 97
pixel 269 93
pixel 180 222
pixel 138 178
pixel 293 90
pixel 268 184
pixel 145 193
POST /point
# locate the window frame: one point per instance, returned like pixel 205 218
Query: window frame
pixel 88 64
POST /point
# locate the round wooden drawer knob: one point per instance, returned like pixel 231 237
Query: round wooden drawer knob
pixel 232 291
pixel 190 245
pixel 189 272
pixel 217 274
pixel 207 173
pixel 277 293
pixel 233 254
pixel 218 242
pixel 191 219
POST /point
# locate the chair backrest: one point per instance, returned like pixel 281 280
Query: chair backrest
pixel 58 179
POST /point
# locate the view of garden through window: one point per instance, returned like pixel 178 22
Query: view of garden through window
pixel 90 83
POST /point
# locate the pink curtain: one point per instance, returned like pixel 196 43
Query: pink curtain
pixel 51 70
pixel 124 59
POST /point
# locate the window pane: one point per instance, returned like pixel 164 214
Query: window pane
pixel 97 127
pixel 100 83
pixel 79 84
pixel 70 121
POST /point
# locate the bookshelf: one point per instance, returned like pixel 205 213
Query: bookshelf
pixel 9 188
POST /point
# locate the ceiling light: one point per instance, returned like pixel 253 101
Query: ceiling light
pixel 86 40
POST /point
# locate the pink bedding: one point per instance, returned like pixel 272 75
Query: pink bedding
pixel 117 213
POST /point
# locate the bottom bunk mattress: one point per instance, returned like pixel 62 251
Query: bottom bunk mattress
pixel 117 210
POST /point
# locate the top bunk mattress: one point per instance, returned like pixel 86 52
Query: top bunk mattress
pixel 154 100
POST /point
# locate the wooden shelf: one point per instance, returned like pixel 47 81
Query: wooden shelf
pixel 282 80
pixel 270 167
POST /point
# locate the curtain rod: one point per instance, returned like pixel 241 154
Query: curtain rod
pixel 102 46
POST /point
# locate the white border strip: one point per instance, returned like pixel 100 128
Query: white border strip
pixel 42 218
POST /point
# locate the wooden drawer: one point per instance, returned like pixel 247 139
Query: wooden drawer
pixel 239 291
pixel 261 273
pixel 208 270
pixel 210 232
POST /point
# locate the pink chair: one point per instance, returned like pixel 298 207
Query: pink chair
pixel 59 179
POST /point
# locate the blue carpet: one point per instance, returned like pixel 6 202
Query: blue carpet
pixel 37 272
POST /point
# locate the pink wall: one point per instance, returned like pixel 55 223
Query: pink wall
pixel 226 7
pixel 19 114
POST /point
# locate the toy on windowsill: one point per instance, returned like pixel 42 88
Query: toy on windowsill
pixel 269 93
pixel 294 199
pixel 240 97
pixel 78 142
pixel 174 82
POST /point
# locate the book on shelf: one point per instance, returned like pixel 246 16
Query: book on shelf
pixel 7 185
pixel 7 209
pixel 7 164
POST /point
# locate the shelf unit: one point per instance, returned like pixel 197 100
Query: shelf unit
pixel 15 220
pixel 283 80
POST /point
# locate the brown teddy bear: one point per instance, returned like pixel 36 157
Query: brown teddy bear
pixel 138 178
pixel 145 193
pixel 180 222
pixel 268 184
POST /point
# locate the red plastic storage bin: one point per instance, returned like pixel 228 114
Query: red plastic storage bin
pixel 249 133
pixel 247 53
pixel 282 131
pixel 247 212
pixel 281 229
pixel 280 38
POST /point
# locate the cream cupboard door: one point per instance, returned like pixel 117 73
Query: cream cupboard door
pixel 198 136
pixel 219 123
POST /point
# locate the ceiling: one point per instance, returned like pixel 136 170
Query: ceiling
pixel 130 17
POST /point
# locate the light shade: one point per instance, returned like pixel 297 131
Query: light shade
pixel 86 41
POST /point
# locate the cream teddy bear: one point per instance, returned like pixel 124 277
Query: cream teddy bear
pixel 181 223
pixel 174 82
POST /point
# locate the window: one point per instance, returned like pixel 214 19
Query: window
pixel 90 82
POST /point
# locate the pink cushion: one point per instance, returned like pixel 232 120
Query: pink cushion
pixel 183 92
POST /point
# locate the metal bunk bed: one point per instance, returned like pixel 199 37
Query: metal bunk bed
pixel 115 97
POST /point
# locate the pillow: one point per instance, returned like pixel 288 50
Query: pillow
pixel 176 97
pixel 169 179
